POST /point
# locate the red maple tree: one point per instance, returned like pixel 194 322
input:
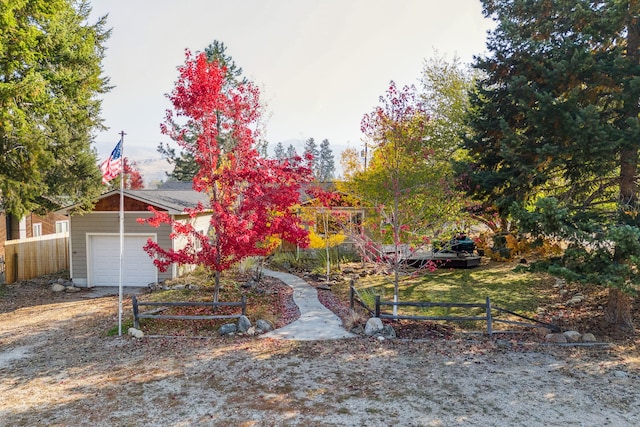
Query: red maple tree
pixel 251 198
pixel 132 177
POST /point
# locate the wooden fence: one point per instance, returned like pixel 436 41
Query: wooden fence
pixel 33 257
pixel 487 308
pixel 161 306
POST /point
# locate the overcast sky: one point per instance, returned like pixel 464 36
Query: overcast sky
pixel 321 65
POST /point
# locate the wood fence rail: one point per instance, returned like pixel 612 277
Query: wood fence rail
pixel 487 317
pixel 153 314
pixel 35 256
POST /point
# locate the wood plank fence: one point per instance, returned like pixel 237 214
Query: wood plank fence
pixel 35 256
pixel 162 306
pixel 488 309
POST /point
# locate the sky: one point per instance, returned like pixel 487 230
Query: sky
pixel 321 65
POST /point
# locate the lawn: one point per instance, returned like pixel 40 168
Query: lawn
pixel 503 283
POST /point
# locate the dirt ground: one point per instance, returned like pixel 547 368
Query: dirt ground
pixel 58 367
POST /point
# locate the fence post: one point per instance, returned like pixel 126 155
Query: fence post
pixel 351 296
pixel 16 270
pixel 244 305
pixel 136 321
pixel 377 305
pixel 489 320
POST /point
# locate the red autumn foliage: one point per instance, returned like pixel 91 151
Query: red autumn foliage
pixel 250 198
pixel 133 179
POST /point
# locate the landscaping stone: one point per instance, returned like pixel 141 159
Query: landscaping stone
pixel 244 324
pixel 572 336
pixel 229 328
pixel 374 326
pixel 588 337
pixel 71 289
pixel 58 287
pixel 136 333
pixel 556 338
pixel 388 331
pixel 264 325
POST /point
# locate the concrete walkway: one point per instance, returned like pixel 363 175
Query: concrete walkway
pixel 316 322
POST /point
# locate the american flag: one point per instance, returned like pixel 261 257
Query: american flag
pixel 113 165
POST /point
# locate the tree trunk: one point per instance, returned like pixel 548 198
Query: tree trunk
pixel 619 310
pixel 216 288
pixel 619 304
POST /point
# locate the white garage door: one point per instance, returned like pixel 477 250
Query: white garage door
pixel 104 260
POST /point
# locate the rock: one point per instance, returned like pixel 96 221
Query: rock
pixel 620 374
pixel 229 328
pixel 244 324
pixel 358 330
pixel 136 333
pixel 504 344
pixel 556 338
pixel 572 336
pixel 264 325
pixel 388 331
pixel 588 337
pixel 251 331
pixel 58 287
pixel 374 326
pixel 71 289
pixel 542 332
pixel 249 284
pixel 576 299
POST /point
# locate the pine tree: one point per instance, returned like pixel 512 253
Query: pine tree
pixel 50 86
pixel 291 152
pixel 556 133
pixel 326 165
pixel 278 152
pixel 311 152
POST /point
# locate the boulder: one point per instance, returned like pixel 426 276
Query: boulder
pixel 572 336
pixel 264 325
pixel 57 287
pixel 244 324
pixel 556 338
pixel 229 328
pixel 71 289
pixel 588 337
pixel 388 331
pixel 136 333
pixel 374 326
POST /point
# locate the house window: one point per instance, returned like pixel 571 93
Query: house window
pixel 62 226
pixel 37 229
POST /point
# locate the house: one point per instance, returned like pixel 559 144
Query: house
pixel 95 236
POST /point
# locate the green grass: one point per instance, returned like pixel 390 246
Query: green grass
pixel 521 292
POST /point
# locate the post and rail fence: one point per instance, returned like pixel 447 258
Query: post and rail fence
pixel 487 308
pixel 162 306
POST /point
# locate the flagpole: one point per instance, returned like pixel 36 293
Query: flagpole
pixel 122 134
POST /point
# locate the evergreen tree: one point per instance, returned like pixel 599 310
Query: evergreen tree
pixel 278 152
pixel 50 82
pixel 311 152
pixel 291 152
pixel 326 165
pixel 556 133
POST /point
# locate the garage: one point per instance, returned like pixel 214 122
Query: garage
pixel 104 265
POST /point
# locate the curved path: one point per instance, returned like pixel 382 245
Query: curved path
pixel 316 322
